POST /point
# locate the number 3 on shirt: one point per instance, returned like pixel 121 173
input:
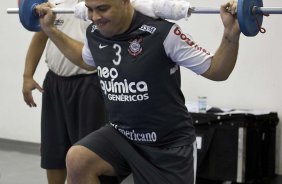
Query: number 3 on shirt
pixel 117 48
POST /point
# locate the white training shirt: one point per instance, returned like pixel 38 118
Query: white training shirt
pixel 73 27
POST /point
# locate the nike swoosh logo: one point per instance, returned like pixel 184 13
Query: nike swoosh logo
pixel 102 46
pixel 58 3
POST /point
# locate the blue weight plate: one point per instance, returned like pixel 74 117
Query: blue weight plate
pixel 249 22
pixel 28 18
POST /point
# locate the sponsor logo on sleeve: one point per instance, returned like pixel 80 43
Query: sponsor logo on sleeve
pixel 177 31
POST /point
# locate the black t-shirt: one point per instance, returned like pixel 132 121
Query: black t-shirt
pixel 140 83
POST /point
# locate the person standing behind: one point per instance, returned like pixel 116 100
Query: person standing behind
pixel 72 103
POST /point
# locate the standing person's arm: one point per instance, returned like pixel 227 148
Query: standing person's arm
pixel 71 48
pixel 224 60
pixel 33 56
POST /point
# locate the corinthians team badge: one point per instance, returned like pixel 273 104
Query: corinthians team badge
pixel 135 48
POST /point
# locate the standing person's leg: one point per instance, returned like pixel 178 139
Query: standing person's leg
pixel 85 110
pixel 56 176
pixel 54 138
pixel 84 106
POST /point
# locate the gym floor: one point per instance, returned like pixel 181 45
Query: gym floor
pixel 19 164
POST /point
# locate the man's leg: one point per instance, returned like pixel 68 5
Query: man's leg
pixel 56 176
pixel 150 165
pixel 107 152
pixel 85 167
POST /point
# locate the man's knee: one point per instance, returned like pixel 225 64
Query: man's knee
pixel 77 159
pixel 80 160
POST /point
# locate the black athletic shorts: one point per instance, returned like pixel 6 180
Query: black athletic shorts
pixel 148 165
pixel 72 107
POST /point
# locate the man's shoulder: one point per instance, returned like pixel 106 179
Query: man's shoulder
pixel 157 21
pixel 149 24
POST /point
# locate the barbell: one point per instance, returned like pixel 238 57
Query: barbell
pixel 249 13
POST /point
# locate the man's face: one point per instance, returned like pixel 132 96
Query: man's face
pixel 108 15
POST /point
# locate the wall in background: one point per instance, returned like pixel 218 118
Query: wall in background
pixel 256 82
pixel 17 120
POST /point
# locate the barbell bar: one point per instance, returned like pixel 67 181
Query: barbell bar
pixel 255 10
pixel 55 10
pixel 249 13
pixel 194 10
